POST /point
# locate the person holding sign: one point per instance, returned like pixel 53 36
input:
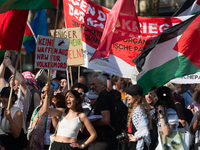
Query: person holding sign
pixel 71 120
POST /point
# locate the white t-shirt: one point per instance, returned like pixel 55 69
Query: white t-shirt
pixel 23 103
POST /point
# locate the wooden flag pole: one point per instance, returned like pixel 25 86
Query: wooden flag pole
pixel 20 62
pixel 11 88
pixel 67 72
pixel 79 69
pixel 70 69
pixel 49 71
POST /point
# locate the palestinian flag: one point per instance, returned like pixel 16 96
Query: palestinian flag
pixel 28 33
pixel 189 7
pixel 172 54
pixel 6 5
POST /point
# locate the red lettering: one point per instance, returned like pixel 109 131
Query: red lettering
pixel 40 49
pixel 69 54
pixel 78 51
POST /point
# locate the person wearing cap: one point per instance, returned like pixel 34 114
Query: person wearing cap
pixel 11 121
pixel 167 113
pixel 139 119
pixel 23 93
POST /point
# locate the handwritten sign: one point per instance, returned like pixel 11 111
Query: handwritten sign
pixel 44 50
pixel 75 53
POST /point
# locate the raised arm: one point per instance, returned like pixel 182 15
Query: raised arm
pixel 18 76
pixel 46 105
pixel 2 70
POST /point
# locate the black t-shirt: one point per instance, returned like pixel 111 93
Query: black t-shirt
pixel 181 113
pixel 104 103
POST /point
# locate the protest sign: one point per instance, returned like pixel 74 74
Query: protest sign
pixel 91 18
pixel 44 49
pixel 75 53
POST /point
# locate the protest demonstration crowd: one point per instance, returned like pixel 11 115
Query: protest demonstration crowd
pixel 54 117
pixel 137 96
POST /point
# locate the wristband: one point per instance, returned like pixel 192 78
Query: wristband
pixel 84 145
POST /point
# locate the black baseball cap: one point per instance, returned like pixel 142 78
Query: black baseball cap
pixel 135 90
pixel 6 92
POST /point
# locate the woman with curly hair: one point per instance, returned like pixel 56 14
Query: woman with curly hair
pixel 71 120
pixel 139 119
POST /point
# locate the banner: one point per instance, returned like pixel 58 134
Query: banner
pixel 75 54
pixel 44 49
pixel 188 79
pixel 91 18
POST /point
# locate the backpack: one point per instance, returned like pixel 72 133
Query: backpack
pixel 118 116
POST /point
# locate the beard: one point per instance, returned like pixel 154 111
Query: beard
pixel 97 92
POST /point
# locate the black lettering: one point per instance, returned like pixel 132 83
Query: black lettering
pixel 74 35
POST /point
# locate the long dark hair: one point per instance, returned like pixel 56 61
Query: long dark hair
pixel 79 101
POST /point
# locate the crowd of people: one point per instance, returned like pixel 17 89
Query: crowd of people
pixel 80 117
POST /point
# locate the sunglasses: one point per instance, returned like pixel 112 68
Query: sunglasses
pixel 81 93
pixel 42 91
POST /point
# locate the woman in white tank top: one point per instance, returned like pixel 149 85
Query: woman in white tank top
pixel 11 121
pixel 71 120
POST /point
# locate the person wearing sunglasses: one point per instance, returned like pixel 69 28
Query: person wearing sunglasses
pixel 41 126
pixel 81 88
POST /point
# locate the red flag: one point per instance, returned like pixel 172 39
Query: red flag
pixel 12 26
pixel 122 23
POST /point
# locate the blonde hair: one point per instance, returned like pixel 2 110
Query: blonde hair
pixel 145 108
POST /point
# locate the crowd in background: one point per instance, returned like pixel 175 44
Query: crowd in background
pixel 80 117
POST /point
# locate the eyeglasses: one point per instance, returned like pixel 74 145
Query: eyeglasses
pixel 42 91
pixel 81 93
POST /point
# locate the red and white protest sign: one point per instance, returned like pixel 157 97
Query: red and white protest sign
pixel 91 17
pixel 44 49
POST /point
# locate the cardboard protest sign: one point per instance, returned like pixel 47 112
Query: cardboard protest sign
pixel 75 53
pixel 44 49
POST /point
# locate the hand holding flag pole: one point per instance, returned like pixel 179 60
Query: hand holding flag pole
pixel 11 89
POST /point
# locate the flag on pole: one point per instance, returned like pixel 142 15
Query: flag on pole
pixel 39 27
pixel 189 7
pixel 6 5
pixel 122 23
pixel 28 33
pixel 12 30
pixel 173 53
